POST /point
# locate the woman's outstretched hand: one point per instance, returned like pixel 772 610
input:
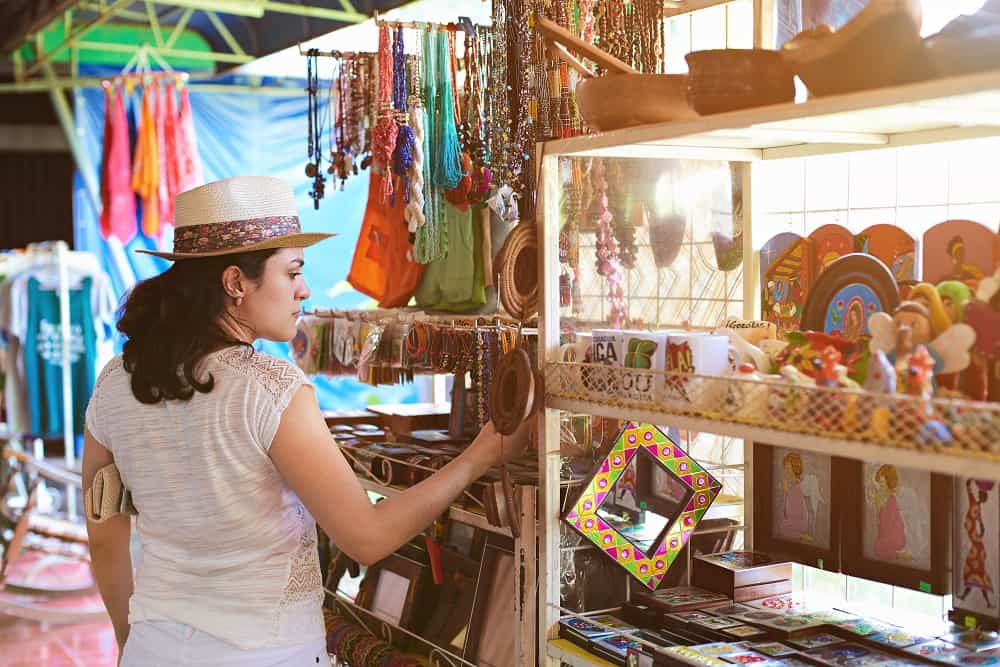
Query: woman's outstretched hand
pixel 494 448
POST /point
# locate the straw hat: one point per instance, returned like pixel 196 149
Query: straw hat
pixel 235 215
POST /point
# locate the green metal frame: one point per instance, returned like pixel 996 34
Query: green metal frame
pixel 100 40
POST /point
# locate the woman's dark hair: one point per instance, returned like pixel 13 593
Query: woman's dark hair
pixel 171 322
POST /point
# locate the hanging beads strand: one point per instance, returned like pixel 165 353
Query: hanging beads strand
pixel 431 240
pixel 524 131
pixel 386 130
pixel 448 166
pixel 314 169
pixel 403 156
pixel 608 264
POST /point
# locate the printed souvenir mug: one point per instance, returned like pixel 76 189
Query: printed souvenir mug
pixel 696 353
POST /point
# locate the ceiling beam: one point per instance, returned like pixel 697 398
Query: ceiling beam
pixel 179 27
pixel 45 59
pixel 316 12
pixel 154 22
pixel 225 34
pixel 122 13
pixel 211 56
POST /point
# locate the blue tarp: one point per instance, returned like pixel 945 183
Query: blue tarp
pixel 243 133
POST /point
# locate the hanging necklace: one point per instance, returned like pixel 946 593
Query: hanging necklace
pixel 386 129
pixel 403 154
pixel 314 169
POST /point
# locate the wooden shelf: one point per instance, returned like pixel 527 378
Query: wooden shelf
pixel 569 653
pixel 961 466
pixel 810 418
pixel 948 109
pixel 459 514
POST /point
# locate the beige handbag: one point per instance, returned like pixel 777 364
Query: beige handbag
pixel 107 496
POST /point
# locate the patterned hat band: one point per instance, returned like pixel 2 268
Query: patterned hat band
pixel 216 236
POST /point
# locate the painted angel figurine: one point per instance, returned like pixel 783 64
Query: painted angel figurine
pixel 899 334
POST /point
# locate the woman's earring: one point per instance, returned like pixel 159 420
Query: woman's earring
pixel 239 301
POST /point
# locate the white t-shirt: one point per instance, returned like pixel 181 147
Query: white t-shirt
pixel 227 547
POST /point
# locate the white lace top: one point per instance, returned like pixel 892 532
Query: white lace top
pixel 227 547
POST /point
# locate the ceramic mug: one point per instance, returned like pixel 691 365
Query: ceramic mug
pixel 695 353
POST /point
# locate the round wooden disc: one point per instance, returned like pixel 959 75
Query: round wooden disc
pixel 512 395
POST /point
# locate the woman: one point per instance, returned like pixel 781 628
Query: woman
pixel 226 454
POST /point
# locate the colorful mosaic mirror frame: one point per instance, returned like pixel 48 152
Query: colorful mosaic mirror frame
pixel 584 518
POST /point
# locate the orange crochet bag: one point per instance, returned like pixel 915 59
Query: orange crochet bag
pixel 382 268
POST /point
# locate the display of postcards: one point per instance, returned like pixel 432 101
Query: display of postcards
pixel 773 649
pixel 897 638
pixel 688 616
pixel 865 627
pixel 936 649
pixel 752 658
pixel 727 609
pixel 787 602
pixel 683 598
pixel 791 661
pixel 686 655
pixel 614 648
pixel 587 629
pixel 845 654
pixel 963 657
pixel 716 622
pixel 792 623
pixel 719 649
pixel 973 640
pixel 815 641
pixel 653 637
pixel 832 616
pixel 744 632
pixel 759 615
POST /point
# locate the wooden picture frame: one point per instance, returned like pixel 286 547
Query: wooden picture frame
pixel 975 560
pixel 773 532
pixel 452 609
pixel 464 539
pixel 920 550
pixel 493 621
pixel 391 588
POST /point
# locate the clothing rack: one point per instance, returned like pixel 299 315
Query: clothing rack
pixel 464 23
pixel 343 55
pixel 178 78
pixel 59 250
pixel 395 315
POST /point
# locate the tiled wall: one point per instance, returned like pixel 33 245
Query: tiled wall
pixel 913 188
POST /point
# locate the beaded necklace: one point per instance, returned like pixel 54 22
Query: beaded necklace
pixel 608 264
pixel 447 168
pixel 386 129
pixel 314 169
pixel 403 155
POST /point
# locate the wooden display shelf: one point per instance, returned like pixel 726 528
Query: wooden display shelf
pixel 813 419
pixel 947 109
pixel 566 652
pixel 459 514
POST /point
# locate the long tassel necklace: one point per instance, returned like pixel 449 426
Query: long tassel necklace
pixel 386 129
